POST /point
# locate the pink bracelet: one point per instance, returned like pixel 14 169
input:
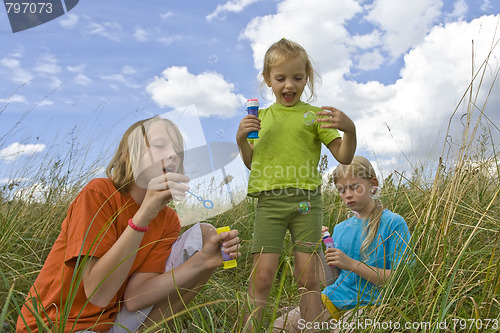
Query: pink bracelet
pixel 135 227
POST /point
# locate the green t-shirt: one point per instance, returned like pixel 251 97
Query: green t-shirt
pixel 287 153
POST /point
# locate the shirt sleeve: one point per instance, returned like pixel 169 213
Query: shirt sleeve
pixel 89 225
pixel 327 135
pixel 399 242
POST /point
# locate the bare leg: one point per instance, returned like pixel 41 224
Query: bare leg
pixel 261 281
pixel 306 274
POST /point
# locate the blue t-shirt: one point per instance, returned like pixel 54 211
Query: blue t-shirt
pixel 385 252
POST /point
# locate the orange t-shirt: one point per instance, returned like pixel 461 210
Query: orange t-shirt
pixel 96 219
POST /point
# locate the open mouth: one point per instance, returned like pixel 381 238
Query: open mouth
pixel 167 168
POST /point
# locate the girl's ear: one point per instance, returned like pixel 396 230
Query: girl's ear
pixel 267 80
pixel 374 181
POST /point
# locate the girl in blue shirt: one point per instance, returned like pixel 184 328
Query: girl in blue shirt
pixel 368 247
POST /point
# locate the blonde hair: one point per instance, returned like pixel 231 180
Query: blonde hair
pixel 284 50
pixel 360 167
pixel 133 146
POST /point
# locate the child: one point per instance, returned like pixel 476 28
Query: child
pixel 368 247
pixel 118 259
pixel 284 173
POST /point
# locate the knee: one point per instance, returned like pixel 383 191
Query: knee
pixel 207 231
pixel 308 280
pixel 263 278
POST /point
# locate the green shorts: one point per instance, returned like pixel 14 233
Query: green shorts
pixel 300 211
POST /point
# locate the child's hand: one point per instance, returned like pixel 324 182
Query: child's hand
pixel 161 190
pixel 336 258
pixel 231 243
pixel 335 119
pixel 247 124
pixel 323 229
pixel 211 249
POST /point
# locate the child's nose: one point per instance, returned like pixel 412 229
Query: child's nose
pixel 170 154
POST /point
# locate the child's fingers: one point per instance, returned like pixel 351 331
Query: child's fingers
pixel 169 181
pixel 233 251
pixel 251 122
pixel 173 184
pixel 230 238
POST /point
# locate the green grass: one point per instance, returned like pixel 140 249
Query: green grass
pixel 453 215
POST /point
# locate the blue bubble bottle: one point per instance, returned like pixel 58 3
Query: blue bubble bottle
pixel 253 109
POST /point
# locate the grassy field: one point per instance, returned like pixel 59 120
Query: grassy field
pixel 451 205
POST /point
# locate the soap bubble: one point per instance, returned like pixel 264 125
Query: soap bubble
pixel 220 133
pixel 309 118
pixel 304 207
pixel 375 192
pixel 213 59
pixel 352 213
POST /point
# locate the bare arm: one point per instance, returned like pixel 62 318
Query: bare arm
pixel 247 124
pixel 146 289
pixel 342 149
pixel 246 153
pixel 337 258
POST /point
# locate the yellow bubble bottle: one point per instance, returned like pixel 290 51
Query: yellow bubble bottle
pixel 227 261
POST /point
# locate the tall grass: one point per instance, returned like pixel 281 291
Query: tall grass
pixel 454 218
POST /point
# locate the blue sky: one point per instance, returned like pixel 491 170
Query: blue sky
pixel 397 68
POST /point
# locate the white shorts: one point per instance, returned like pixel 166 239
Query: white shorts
pixel 188 243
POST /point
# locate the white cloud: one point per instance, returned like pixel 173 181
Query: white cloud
pixel 234 6
pixel 486 5
pixel 166 15
pixel 80 77
pixel 109 30
pixel 69 21
pixel 170 39
pixel 128 70
pixel 119 78
pixel 15 98
pixel 460 8
pixel 47 64
pixel 17 149
pixel 370 60
pixel 405 23
pixel 82 80
pixel 141 34
pixel 124 77
pixel 76 69
pixel 211 94
pixel 18 74
pixel 45 103
pixel 10 63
